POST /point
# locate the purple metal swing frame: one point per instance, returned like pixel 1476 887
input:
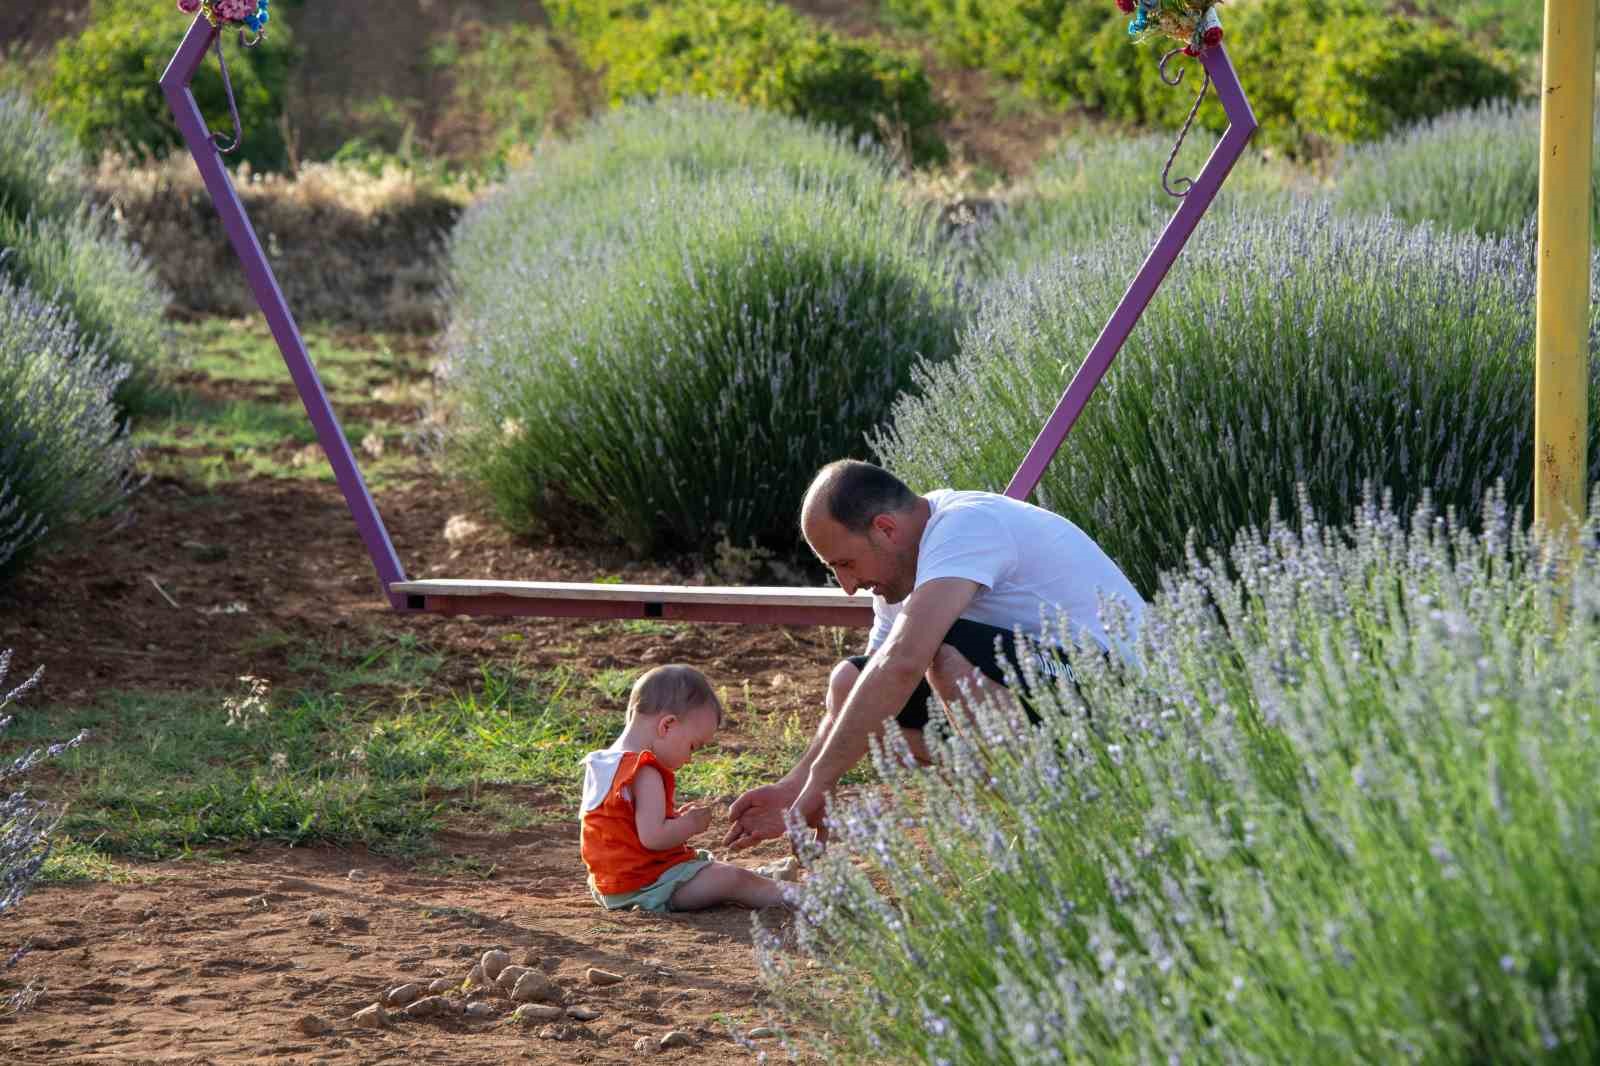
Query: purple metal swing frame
pixel 791 606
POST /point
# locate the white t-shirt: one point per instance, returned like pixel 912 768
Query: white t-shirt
pixel 1034 566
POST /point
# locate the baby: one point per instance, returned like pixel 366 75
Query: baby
pixel 632 837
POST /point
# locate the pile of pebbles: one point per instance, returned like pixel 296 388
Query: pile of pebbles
pixel 494 986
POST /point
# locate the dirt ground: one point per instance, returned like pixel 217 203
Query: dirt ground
pixel 214 960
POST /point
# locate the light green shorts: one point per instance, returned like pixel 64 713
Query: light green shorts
pixel 654 897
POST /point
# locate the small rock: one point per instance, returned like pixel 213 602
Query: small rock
pixel 442 984
pixel 507 977
pixel 318 919
pixel 677 1038
pixel 351 921
pixel 787 870
pixel 602 977
pixel 358 875
pixel 530 958
pixel 460 528
pixel 480 1009
pixel 429 1007
pixel 311 1025
pixel 475 975
pixel 493 962
pixel 583 1014
pixel 400 995
pixel 647 1045
pixel 534 986
pixel 373 1017
pixel 372 444
pixel 762 1032
pixel 534 1013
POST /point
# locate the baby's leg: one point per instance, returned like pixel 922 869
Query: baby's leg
pixel 722 882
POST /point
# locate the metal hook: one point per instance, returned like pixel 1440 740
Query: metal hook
pixel 233 107
pixel 1181 187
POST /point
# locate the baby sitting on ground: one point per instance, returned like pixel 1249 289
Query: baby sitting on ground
pixel 633 839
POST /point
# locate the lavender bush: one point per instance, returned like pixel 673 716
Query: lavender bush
pixel 673 351
pixel 41 169
pixel 64 454
pixel 1089 187
pixel 81 263
pixel 1285 349
pixel 1344 814
pixel 1474 170
pixel 25 823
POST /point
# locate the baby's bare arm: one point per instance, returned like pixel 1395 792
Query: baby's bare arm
pixel 656 831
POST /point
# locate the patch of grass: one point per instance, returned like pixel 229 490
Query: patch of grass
pixel 614 684
pixel 248 422
pixel 473 866
pixel 74 861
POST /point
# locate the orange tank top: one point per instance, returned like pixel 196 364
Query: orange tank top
pixel 609 838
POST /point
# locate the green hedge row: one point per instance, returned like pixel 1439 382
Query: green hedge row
pixel 105 84
pixel 1317 72
pixel 761 53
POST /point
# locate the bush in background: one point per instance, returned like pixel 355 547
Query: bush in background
pixel 105 84
pixel 64 455
pixel 1474 170
pixel 1089 187
pixel 1343 814
pixel 1316 71
pixel 674 354
pixel 111 291
pixel 760 53
pixel 1286 349
pixel 692 137
pixel 41 169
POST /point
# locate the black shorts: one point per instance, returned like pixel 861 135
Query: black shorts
pixel 977 642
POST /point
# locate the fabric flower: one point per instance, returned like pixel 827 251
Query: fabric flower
pixel 188 7
pixel 1213 35
pixel 1126 6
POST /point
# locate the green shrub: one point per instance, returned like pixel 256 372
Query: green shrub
pixel 41 170
pixel 64 455
pixel 693 137
pixel 673 354
pixel 760 53
pixel 1344 814
pixel 1282 350
pixel 1315 71
pixel 1474 170
pixel 105 87
pixel 79 262
pixel 1088 188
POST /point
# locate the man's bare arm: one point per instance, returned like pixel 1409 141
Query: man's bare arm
pixel 890 676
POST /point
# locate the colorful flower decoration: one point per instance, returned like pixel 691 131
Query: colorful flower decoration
pixel 1192 23
pixel 252 14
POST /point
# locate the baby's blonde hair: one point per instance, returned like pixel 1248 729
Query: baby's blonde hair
pixel 674 688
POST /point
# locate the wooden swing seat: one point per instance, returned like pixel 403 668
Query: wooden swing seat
pixel 684 603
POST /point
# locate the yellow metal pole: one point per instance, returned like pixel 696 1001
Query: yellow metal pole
pixel 1566 142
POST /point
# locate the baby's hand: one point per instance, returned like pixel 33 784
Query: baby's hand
pixel 696 817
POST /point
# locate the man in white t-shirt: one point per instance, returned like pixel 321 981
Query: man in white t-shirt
pixel 951 574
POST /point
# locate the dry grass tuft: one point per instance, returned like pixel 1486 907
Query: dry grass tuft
pixel 346 245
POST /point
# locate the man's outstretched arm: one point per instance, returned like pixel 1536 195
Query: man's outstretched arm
pixel 885 685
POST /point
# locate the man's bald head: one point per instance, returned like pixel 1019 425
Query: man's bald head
pixel 853 493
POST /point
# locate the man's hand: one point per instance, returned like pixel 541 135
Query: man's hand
pixel 695 818
pixel 808 808
pixel 758 815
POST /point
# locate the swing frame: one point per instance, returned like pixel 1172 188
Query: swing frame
pixel 787 606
